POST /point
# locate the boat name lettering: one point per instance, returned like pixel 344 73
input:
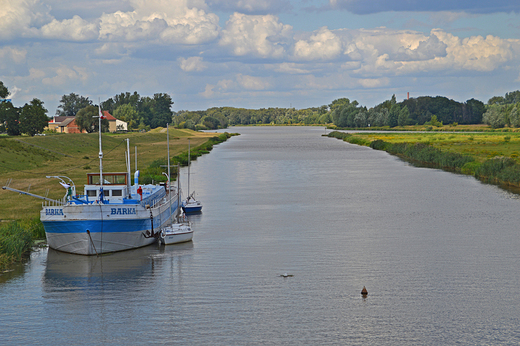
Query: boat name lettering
pixel 53 211
pixel 122 211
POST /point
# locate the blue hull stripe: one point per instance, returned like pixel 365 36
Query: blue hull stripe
pixel 107 226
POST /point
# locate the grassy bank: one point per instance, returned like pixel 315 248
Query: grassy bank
pixel 28 160
pixel 16 240
pixel 491 157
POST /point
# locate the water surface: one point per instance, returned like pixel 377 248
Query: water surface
pixel 438 253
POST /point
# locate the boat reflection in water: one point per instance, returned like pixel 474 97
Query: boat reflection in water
pixel 120 271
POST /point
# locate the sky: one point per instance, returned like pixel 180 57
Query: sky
pixel 259 54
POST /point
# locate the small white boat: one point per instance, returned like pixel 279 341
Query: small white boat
pixel 179 231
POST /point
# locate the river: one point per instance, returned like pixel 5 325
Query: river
pixel 438 253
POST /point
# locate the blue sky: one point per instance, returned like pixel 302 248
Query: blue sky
pixel 255 54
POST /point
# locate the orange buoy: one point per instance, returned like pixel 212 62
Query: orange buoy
pixel 364 291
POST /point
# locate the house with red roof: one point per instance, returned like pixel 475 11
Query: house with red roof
pixel 63 124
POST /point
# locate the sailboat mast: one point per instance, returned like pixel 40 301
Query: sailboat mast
pixel 189 164
pixel 100 150
pixel 169 189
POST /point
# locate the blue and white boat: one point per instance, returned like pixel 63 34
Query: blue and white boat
pixel 108 218
pixel 110 215
pixel 191 205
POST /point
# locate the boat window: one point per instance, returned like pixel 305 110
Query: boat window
pixel 117 193
pixel 91 193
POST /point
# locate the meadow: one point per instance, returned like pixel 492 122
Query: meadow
pixel 26 161
pixel 491 156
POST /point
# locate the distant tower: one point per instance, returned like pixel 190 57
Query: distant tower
pixel 408 95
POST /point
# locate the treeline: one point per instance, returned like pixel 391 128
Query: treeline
pixel 222 117
pixel 503 111
pixel 342 113
pixel 139 112
pixel 29 119
pixel 497 170
pixel 144 113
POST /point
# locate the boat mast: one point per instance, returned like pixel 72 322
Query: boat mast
pixel 100 150
pixel 129 174
pixel 189 167
pixel 169 189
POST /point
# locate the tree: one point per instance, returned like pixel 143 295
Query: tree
pixel 4 92
pixel 393 116
pixel 71 104
pixel 33 118
pixel 514 116
pixel 128 114
pixel 494 116
pixel 10 119
pixel 404 116
pixel 86 119
pixel 161 109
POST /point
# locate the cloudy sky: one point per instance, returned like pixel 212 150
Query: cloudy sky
pixel 259 53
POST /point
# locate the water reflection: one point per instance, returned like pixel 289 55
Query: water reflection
pixel 118 271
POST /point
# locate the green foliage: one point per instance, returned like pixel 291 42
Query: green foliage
pixel 152 112
pixel 15 242
pixel 4 92
pixel 434 122
pixel 425 154
pixel 393 116
pixel 86 119
pixel 448 111
pixel 127 113
pixel 470 168
pixel 499 170
pixel 404 116
pixel 10 119
pixel 495 116
pixel 33 118
pixel 347 137
pixel 71 104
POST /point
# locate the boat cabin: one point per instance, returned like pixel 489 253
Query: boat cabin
pixel 114 187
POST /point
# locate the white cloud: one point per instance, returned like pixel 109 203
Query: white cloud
pixel 65 74
pixel 251 6
pixel 373 82
pixel 75 29
pixel 12 55
pixel 291 68
pixel 187 21
pixel 252 83
pixel 208 91
pixel 323 45
pixel 19 18
pixel 194 63
pixel 225 84
pixel 262 36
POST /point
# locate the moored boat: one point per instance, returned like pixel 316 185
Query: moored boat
pixel 111 215
pixel 179 231
pixel 191 205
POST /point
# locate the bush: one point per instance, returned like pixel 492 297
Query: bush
pixel 15 242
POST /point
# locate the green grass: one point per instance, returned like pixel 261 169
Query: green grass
pixel 16 240
pixel 492 157
pixel 28 160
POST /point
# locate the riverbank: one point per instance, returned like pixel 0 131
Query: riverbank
pixel 489 156
pixel 28 160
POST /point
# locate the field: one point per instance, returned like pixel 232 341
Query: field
pixel 28 160
pixel 480 145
